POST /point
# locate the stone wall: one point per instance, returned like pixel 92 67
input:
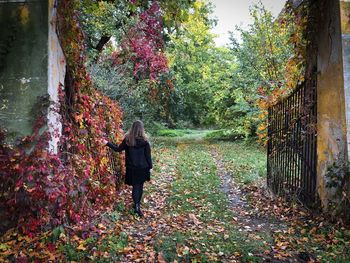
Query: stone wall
pixel 23 64
pixel 331 119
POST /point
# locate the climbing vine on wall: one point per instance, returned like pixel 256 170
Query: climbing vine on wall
pixel 41 190
pixel 295 21
pixel 87 117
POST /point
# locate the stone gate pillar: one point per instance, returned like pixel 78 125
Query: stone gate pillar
pixel 332 81
pixel 31 67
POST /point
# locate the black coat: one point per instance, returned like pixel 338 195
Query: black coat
pixel 138 160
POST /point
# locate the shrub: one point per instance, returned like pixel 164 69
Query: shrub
pixel 226 135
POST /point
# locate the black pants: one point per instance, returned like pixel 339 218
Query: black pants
pixel 137 191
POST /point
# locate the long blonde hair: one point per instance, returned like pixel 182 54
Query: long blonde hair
pixel 137 131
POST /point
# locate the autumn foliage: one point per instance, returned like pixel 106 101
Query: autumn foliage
pixel 145 43
pixel 294 22
pixel 41 190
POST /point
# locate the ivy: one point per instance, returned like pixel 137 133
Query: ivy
pixel 41 190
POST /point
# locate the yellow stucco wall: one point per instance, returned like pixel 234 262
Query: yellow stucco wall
pixel 331 120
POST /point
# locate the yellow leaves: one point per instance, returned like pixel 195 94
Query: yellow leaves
pixel 102 226
pixel 104 161
pixel 263 104
pixel 182 250
pixel 262 116
pixel 81 247
pixel 25 238
pixel 79 119
pixel 262 127
pixel 4 247
pixel 198 5
pixel 205 72
pixel 237 254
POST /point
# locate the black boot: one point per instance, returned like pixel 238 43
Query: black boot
pixel 138 210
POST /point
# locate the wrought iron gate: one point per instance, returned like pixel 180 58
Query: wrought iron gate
pixel 292 160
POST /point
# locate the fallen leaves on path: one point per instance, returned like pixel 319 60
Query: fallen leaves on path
pixel 309 236
pixel 182 221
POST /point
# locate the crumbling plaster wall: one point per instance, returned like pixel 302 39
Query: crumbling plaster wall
pixel 32 68
pixel 331 117
pixel 56 75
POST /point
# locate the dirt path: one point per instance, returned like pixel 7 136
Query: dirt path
pixel 141 231
pixel 249 218
pixel 246 216
pixel 144 233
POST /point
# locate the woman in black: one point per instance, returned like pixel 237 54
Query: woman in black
pixel 138 161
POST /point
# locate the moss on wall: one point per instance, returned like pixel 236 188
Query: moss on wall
pixel 23 64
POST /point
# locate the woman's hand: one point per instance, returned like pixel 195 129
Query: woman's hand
pixel 104 141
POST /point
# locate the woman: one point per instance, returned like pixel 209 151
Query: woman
pixel 138 161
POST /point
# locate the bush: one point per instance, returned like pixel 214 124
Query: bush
pixel 170 133
pixel 226 135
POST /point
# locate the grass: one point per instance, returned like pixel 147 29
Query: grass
pixel 245 160
pixel 112 244
pixel 197 191
pixel 225 135
pixel 182 133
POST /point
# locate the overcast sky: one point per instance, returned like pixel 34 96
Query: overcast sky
pixel 236 12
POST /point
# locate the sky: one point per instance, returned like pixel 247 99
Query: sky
pixel 236 12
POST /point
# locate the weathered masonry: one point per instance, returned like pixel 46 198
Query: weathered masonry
pixel 309 132
pixel 32 67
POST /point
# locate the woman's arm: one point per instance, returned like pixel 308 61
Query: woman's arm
pixel 148 155
pixel 115 147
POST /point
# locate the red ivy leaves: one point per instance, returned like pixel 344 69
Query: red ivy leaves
pixel 144 43
pixel 92 181
pixel 85 124
pixel 42 190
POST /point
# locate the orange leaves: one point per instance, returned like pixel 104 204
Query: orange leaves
pixel 194 219
pixel 93 117
pixel 262 127
pixel 22 247
pixel 161 258
pixel 308 237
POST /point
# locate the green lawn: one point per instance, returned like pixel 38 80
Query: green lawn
pixel 183 133
pixel 245 160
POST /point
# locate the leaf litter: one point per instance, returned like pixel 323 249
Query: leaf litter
pixel 285 232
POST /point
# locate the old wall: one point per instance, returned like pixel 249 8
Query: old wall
pixel 56 73
pixel 331 120
pixel 32 65
pixel 23 64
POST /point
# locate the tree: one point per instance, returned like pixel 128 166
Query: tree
pixel 126 46
pixel 262 57
pixel 190 52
